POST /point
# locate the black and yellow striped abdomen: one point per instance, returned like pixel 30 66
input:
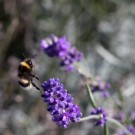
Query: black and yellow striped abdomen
pixel 24 82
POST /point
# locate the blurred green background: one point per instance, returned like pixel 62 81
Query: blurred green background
pixel 104 30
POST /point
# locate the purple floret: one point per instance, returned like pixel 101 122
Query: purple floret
pixel 60 103
pixel 120 116
pixel 49 45
pixel 100 86
pixel 72 57
pixel 63 47
pixel 55 47
pixel 103 119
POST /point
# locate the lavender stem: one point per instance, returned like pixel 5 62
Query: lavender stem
pixel 108 119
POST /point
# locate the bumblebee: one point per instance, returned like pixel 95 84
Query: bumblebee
pixel 25 74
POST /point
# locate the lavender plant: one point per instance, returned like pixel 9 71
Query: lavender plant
pixel 61 48
pixel 101 112
pixel 60 104
pixel 98 85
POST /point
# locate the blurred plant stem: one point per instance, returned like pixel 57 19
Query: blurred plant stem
pixel 8 37
pixel 119 124
pixel 81 71
pixel 90 96
pixel 111 120
pixel 108 56
pixel 106 129
pixel 91 117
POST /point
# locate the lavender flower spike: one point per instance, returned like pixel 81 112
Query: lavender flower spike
pixel 61 48
pixel 102 113
pixel 60 103
pixel 55 47
pixel 100 86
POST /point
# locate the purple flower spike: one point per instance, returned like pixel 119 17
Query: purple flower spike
pixel 103 119
pixel 60 103
pixel 73 56
pixel 100 86
pixel 55 47
pixel 61 48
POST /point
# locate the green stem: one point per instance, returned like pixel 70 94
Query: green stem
pixel 111 120
pixel 106 129
pixel 119 124
pixel 90 95
pixel 91 117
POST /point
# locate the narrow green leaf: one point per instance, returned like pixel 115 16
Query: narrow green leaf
pixel 106 129
pixel 90 96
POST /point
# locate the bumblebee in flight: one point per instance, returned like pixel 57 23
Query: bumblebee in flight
pixel 25 74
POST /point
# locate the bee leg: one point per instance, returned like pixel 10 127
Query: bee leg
pixel 34 85
pixel 35 77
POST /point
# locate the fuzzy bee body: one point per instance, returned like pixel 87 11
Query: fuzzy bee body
pixel 25 74
pixel 24 82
